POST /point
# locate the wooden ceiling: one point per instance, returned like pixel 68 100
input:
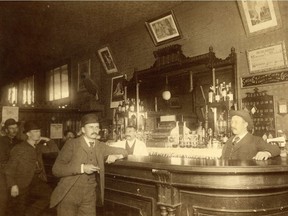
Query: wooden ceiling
pixel 34 34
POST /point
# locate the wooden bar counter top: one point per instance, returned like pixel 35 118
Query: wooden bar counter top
pixel 156 185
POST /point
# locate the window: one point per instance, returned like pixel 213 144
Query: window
pixel 58 83
pixel 12 94
pixel 26 86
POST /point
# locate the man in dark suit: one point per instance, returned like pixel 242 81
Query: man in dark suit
pixel 7 142
pixel 243 145
pixel 78 165
pixel 25 174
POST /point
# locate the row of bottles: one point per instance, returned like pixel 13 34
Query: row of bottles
pixel 130 105
pixel 220 92
pixel 184 137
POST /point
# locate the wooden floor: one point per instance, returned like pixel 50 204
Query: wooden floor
pixel 52 212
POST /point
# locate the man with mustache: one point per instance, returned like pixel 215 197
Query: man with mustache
pixel 25 174
pixel 79 164
pixel 243 145
pixel 132 145
pixel 7 142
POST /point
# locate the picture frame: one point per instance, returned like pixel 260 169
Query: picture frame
pixel 117 91
pixel 164 28
pixel 107 60
pixel 259 16
pixel 84 71
pixel 268 58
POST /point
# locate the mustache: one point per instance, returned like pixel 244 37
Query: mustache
pixel 94 133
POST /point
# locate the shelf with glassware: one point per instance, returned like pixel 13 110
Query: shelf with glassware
pixel 130 113
pixel 215 128
pixel 217 112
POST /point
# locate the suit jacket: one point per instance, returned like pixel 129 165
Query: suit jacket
pixel 68 165
pixel 247 148
pixel 6 144
pixel 139 149
pixel 21 166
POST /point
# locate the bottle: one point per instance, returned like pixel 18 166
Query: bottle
pixel 123 106
pixel 186 134
pixel 224 92
pixel 217 93
pixel 127 105
pixel 199 132
pixel 119 109
pixel 230 93
pixel 132 105
pixel 141 106
pixel 211 95
pixel 175 135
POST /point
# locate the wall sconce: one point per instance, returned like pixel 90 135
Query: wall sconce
pixel 166 94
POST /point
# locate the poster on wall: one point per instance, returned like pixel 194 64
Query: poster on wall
pixel 117 91
pixel 267 58
pixel 56 131
pixel 10 112
pixel 259 16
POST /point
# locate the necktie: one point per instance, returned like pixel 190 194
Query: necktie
pixel 91 144
pixel 236 139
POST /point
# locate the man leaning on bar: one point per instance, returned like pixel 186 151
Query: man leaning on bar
pixel 243 145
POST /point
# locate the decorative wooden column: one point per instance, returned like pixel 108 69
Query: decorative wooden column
pixel 168 196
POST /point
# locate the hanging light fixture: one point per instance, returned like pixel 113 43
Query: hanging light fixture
pixel 166 94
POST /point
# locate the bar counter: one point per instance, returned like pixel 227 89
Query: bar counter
pixel 156 185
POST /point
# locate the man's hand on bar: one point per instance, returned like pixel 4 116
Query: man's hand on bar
pixel 262 155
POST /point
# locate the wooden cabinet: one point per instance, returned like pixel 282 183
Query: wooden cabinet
pixel 186 76
pixel 261 106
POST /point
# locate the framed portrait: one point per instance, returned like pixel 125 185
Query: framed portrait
pixel 259 16
pixel 268 58
pixel 164 28
pixel 83 72
pixel 117 91
pixel 107 60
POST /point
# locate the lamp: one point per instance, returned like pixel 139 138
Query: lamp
pixel 166 94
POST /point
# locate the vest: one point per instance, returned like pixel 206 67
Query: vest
pixel 85 179
pixel 130 150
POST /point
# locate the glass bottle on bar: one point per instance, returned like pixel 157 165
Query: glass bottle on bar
pixel 230 93
pixel 217 91
pixel 211 95
pixel 174 135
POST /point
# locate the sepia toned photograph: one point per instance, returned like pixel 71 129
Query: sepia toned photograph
pixel 144 108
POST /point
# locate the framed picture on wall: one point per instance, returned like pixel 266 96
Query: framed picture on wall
pixel 259 16
pixel 117 91
pixel 107 60
pixel 83 72
pixel 164 28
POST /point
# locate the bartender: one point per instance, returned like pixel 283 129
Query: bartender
pixel 243 145
pixel 131 143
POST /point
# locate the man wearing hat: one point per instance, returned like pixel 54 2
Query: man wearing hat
pixel 25 173
pixel 7 142
pixel 79 164
pixel 243 145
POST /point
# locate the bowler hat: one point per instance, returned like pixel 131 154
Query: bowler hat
pixel 30 125
pixel 10 122
pixel 243 114
pixel 89 118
